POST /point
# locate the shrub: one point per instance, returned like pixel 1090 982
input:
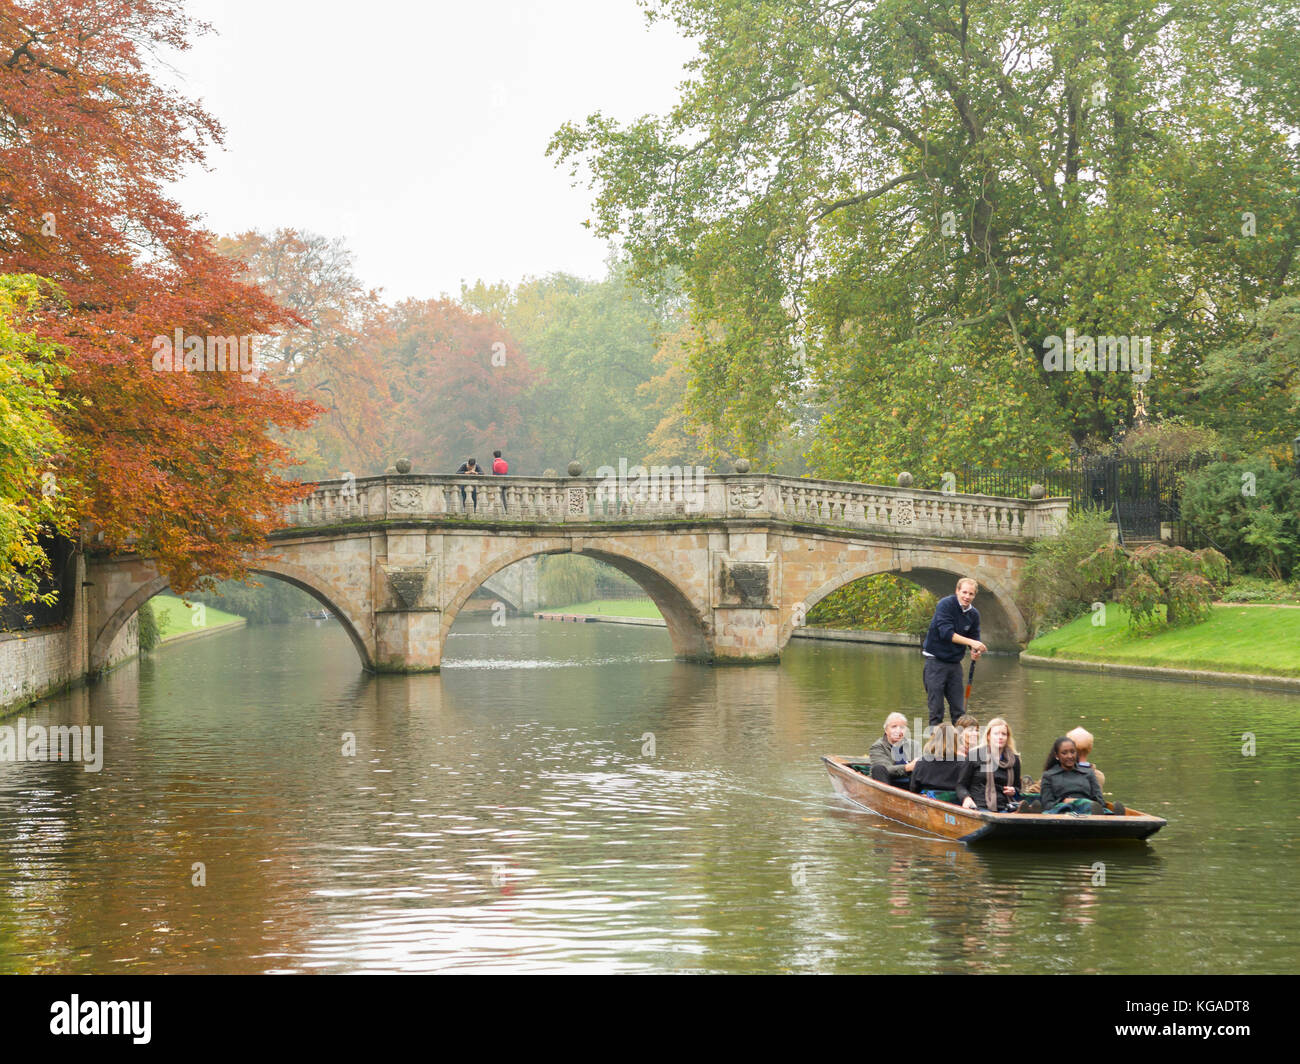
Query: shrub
pixel 1189 599
pixel 1251 511
pixel 1142 598
pixel 1066 574
pixel 1257 589
pixel 1172 439
pixel 1182 581
pixel 150 637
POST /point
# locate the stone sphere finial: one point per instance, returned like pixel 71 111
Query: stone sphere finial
pixel 403 465
pixel 575 468
pixel 1037 491
pixel 905 479
pixel 742 465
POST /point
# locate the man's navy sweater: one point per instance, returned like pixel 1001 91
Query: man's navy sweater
pixel 949 618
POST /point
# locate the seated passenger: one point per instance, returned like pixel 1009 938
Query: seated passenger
pixel 1068 786
pixel 936 772
pixel 990 776
pixel 968 735
pixel 1083 743
pixel 893 755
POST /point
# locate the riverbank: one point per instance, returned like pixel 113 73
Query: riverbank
pixel 641 612
pixel 178 623
pixel 1236 644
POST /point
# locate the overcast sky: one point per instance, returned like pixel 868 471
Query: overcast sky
pixel 417 130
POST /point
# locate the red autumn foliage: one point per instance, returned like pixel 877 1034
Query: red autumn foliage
pixel 459 385
pixel 183 461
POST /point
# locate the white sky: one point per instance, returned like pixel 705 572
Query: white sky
pixel 417 131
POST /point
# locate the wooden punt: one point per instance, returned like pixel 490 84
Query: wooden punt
pixel 973 825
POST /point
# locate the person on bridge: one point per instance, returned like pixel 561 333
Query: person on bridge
pixel 954 627
pixel 499 469
pixel 469 468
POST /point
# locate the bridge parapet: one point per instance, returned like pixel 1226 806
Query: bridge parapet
pixel 560 500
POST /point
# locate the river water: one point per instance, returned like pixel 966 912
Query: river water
pixel 568 798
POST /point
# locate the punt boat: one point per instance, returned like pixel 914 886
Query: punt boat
pixel 852 779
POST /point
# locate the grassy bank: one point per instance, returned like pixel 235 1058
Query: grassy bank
pixel 174 618
pixel 1235 639
pixel 610 608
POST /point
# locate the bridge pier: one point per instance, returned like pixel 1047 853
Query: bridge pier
pixel 408 640
pixel 746 637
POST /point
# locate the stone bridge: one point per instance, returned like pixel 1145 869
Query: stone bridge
pixel 734 562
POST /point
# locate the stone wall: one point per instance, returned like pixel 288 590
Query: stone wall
pixel 39 663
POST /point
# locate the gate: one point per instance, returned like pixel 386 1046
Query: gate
pixel 1139 493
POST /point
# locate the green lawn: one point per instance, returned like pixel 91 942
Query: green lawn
pixel 610 608
pixel 1235 639
pixel 178 620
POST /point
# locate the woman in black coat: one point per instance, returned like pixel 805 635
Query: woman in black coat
pixel 1065 779
pixel 938 767
pixel 991 777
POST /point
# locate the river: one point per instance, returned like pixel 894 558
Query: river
pixel 569 798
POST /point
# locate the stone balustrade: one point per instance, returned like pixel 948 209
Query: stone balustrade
pixel 560 500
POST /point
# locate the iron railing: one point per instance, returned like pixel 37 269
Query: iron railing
pixel 1141 494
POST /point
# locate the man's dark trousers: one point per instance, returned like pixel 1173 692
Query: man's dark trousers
pixel 943 679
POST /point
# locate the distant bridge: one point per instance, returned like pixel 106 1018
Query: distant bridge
pixel 734 562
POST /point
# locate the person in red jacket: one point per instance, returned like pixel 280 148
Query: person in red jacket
pixel 499 469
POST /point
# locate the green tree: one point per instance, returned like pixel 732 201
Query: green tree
pixel 896 205
pixel 1250 510
pixel 1266 367
pixel 150 636
pixel 595 344
pixel 32 449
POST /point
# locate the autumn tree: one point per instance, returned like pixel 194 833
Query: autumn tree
pixel 455 385
pixel 89 139
pixel 328 354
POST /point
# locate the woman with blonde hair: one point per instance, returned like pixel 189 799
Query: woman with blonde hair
pixel 990 776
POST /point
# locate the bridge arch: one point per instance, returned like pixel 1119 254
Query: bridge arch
pixel 299 577
pixel 687 628
pixel 1002 624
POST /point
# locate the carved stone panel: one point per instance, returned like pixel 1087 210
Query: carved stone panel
pixel 745 498
pixel 408 583
pixel 904 512
pixel 407 499
pixel 746 584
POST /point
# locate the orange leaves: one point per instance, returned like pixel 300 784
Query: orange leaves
pixel 180 460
